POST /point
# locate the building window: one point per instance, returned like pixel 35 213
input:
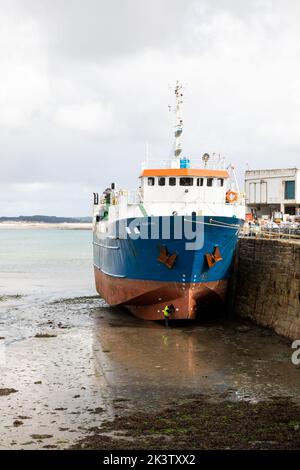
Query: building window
pixel 200 181
pixel 209 182
pixel 289 190
pixel 220 182
pixel 161 181
pixel 151 181
pixel 172 181
pixel 290 210
pixel 186 181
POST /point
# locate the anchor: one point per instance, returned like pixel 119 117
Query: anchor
pixel 166 258
pixel 214 257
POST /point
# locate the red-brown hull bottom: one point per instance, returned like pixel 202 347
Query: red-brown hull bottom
pixel 147 299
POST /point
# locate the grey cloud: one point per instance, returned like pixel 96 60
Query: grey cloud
pixel 84 85
pixel 97 29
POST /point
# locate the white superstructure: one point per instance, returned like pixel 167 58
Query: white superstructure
pixel 177 191
pixel 178 186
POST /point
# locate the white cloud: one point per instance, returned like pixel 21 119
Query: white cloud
pixel 30 187
pixel 24 89
pixel 39 198
pixel 91 118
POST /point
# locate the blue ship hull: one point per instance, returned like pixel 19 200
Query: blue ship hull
pixel 146 263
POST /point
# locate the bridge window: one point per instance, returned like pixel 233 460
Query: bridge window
pixel 151 181
pixel 200 181
pixel 161 181
pixel 172 181
pixel 220 182
pixel 186 181
pixel 209 182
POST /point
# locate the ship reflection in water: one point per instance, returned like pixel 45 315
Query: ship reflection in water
pixel 148 365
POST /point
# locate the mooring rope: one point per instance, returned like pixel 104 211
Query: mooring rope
pixel 232 226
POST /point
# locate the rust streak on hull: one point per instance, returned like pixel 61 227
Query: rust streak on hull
pixel 146 299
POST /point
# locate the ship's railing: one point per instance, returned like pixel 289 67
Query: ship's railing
pixel 122 196
pixel 291 232
pixel 133 197
pixel 214 163
pixel 128 196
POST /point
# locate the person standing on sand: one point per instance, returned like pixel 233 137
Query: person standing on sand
pixel 168 310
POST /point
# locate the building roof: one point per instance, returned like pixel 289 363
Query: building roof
pixel 185 172
pixel 271 172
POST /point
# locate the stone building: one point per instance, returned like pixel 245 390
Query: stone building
pixel 269 191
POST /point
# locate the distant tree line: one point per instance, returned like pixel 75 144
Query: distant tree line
pixel 50 219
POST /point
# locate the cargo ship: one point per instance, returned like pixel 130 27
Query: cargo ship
pixel 171 241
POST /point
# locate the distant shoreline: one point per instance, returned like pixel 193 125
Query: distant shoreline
pixel 46 225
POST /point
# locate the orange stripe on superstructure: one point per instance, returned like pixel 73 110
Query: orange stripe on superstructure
pixel 185 172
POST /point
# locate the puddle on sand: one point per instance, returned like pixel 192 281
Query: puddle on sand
pixel 103 362
pixel 149 365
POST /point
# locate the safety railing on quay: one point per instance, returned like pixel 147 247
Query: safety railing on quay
pixel 285 233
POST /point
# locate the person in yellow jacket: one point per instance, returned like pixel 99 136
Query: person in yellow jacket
pixel 168 310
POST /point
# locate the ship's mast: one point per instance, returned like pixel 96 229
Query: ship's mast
pixel 178 119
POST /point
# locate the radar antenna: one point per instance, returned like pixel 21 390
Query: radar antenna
pixel 205 159
pixel 178 119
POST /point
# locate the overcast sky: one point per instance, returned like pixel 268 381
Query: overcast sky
pixel 85 83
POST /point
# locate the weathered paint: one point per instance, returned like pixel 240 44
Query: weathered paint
pixel 146 299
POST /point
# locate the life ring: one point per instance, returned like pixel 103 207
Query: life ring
pixel 231 197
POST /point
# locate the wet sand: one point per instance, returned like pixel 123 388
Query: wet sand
pixel 77 366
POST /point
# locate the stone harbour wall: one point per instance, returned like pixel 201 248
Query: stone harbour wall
pixel 267 284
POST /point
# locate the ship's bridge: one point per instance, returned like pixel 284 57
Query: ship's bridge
pixel 176 188
pixel 179 182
